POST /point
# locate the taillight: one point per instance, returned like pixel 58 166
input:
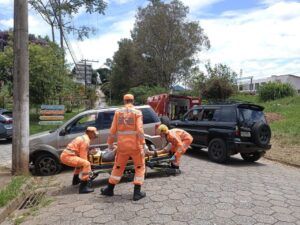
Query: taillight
pixel 237 131
pixel 156 129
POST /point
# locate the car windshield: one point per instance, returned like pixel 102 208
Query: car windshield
pixel 251 116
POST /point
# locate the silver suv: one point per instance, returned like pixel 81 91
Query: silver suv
pixel 46 148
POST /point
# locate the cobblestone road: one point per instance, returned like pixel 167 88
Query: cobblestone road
pixel 5 153
pixel 206 193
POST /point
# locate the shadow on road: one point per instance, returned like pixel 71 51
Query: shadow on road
pixel 233 161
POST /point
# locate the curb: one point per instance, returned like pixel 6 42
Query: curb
pixel 14 203
pixel 282 162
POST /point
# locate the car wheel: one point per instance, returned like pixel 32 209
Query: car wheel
pixel 217 150
pixel 252 157
pixel 261 133
pixel 46 165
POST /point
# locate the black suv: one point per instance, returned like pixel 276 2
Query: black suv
pixel 228 129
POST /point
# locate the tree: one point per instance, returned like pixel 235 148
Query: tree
pixel 124 69
pixel 218 84
pixel 59 14
pixel 167 41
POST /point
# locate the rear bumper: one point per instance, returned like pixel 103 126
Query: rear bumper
pixel 247 147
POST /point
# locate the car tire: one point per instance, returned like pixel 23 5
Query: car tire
pixel 261 134
pixel 47 165
pixel 252 157
pixel 217 150
pixel 165 120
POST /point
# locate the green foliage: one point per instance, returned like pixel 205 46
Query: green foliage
pixel 11 190
pixel 141 93
pixel 168 53
pixel 219 84
pixel 274 90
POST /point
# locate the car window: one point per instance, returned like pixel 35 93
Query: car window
pixel 7 113
pixel 226 114
pixel 194 115
pixel 149 116
pixel 208 114
pixel 106 119
pixel 251 116
pixel 83 122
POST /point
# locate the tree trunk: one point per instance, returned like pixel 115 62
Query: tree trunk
pixel 20 144
pixel 52 30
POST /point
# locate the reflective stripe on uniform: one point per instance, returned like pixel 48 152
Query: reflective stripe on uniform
pixel 115 177
pixel 127 132
pixel 140 179
pixel 141 135
pixel 185 145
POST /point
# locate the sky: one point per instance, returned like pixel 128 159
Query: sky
pixel 259 37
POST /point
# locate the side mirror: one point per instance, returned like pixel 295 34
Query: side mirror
pixel 63 132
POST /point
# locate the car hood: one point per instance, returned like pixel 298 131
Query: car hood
pixel 40 138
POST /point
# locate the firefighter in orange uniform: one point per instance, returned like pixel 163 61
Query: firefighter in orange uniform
pixel 76 155
pixel 127 128
pixel 178 142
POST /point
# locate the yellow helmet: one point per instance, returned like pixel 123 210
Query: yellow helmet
pixel 163 128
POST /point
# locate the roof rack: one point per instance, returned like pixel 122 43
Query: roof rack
pixel 228 102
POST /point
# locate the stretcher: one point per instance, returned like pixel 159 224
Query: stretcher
pixel 103 164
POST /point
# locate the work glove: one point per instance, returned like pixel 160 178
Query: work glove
pixel 173 158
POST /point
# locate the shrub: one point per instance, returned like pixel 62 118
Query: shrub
pixel 274 90
pixel 218 88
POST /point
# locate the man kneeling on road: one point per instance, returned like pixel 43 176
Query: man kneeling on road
pixel 178 142
pixel 76 155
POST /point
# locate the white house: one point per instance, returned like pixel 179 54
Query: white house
pixel 252 84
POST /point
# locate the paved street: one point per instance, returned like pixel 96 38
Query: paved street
pixel 5 153
pixel 206 193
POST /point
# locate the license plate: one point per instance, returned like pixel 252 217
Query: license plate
pixel 245 134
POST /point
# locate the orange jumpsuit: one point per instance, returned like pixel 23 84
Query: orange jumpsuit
pixel 180 140
pixel 127 127
pixel 76 155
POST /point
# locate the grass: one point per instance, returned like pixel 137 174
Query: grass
pixel 11 190
pixel 36 128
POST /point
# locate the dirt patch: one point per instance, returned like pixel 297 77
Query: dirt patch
pixel 5 175
pixel 272 117
pixel 289 154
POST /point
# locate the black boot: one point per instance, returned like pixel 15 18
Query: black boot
pixel 109 190
pixel 84 188
pixel 76 179
pixel 138 194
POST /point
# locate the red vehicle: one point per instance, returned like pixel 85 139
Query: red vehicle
pixel 172 106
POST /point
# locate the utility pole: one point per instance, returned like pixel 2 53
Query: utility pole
pixel 20 144
pixel 85 61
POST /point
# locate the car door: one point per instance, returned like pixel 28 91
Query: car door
pixel 190 124
pixel 105 118
pixel 77 128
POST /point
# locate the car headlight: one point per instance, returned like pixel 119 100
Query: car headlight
pixel 8 127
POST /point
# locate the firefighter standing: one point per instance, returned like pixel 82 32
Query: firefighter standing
pixel 76 155
pixel 127 127
pixel 178 142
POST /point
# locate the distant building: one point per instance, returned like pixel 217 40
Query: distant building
pixel 248 86
pixel 79 73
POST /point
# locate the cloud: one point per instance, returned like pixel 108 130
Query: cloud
pixel 195 5
pixel 261 42
pixel 103 46
pixel 7 23
pixel 119 2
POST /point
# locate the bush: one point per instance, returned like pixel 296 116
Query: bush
pixel 218 88
pixel 274 90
